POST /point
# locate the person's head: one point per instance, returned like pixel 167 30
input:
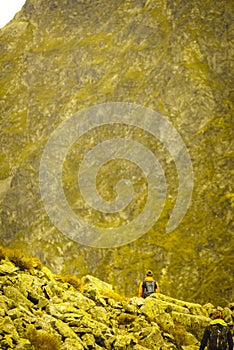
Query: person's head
pixel 217 314
pixel 149 273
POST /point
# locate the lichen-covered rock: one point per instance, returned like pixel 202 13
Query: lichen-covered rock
pixel 151 337
pixel 7 327
pixel 72 344
pixel 75 321
pixel 181 306
pixel 64 329
pixel 23 344
pixel 7 268
pixel 174 57
pixel 17 297
pixel 196 323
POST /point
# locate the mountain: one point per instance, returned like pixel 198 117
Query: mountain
pixel 43 311
pixel 166 60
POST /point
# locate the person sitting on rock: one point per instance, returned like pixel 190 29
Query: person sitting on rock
pixel 148 286
pixel 217 335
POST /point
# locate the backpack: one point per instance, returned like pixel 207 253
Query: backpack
pixel 218 337
pixel 149 287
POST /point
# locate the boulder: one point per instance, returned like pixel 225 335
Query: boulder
pixel 95 317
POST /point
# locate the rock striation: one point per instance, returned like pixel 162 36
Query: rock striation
pixel 43 311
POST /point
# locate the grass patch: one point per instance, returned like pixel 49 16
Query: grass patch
pixel 113 295
pixel 126 319
pixel 19 259
pixel 179 333
pixel 42 340
pixel 72 280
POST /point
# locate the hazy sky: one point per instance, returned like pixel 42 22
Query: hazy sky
pixel 8 9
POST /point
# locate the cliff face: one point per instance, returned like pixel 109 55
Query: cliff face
pixel 173 57
pixel 40 310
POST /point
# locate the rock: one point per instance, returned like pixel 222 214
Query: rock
pixel 228 315
pixel 61 58
pixel 89 340
pixel 180 306
pixel 7 327
pixel 209 308
pixel 48 292
pixel 14 313
pixel 7 268
pixel 79 300
pixel 74 320
pixel 153 338
pixel 64 329
pixel 17 297
pixel 47 274
pixel 195 323
pixel 7 342
pixel 72 344
pixel 100 314
pixel 95 289
pixel 23 344
pixel 190 339
pixel 124 341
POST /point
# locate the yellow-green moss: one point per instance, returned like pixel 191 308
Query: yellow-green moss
pixel 73 280
pixel 19 259
pixel 126 319
pixel 42 340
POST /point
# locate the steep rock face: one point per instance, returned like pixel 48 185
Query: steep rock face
pixel 173 57
pixel 39 310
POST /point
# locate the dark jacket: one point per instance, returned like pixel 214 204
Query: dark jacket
pixel 141 287
pixel 206 336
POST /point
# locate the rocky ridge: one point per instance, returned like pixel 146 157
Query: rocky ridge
pixel 43 311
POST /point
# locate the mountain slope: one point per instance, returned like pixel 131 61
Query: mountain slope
pixel 172 57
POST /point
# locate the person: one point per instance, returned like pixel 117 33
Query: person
pixel 217 335
pixel 148 286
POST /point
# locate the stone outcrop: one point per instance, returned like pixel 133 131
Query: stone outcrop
pixel 40 311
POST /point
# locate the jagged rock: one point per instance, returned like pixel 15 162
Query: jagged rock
pixel 89 340
pixel 152 337
pixel 7 268
pixel 9 331
pixel 79 299
pixel 94 289
pixel 64 329
pixel 100 314
pixel 228 314
pixel 193 308
pixel 209 308
pixel 15 313
pixel 7 325
pixel 16 297
pixel 41 321
pixel 196 323
pixel 190 339
pixel 124 342
pixel 72 344
pixel 7 342
pixel 23 344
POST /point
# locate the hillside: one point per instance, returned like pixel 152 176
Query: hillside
pixel 61 57
pixel 43 311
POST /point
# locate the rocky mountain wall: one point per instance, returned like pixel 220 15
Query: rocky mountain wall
pixel 173 57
